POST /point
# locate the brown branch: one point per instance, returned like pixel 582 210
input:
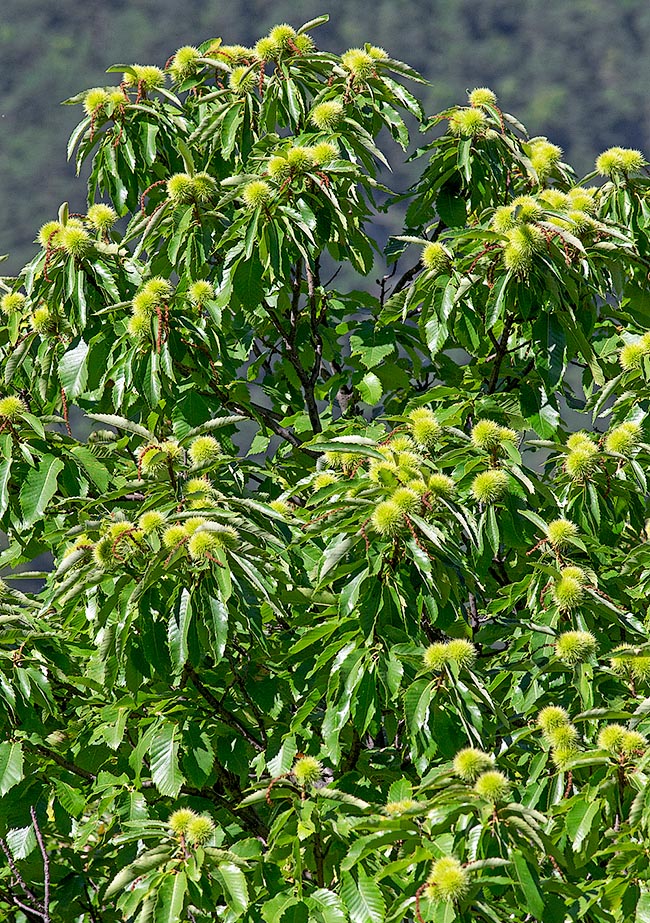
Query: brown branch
pixel 319 855
pixel 352 758
pixel 303 377
pixel 16 873
pixel 246 814
pixel 66 764
pixel 12 899
pixel 266 415
pixel 226 716
pixel 295 300
pixel 511 382
pixel 314 323
pixel 46 866
pixel 501 350
pixel 474 621
pixel 382 283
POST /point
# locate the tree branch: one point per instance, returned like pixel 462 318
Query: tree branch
pixel 303 377
pixel 46 866
pixel 295 300
pixel 16 873
pixel 314 323
pixel 65 764
pixel 501 350
pixel 247 815
pixel 12 899
pixel 227 717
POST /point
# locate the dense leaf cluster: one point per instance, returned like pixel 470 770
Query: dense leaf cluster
pixel 347 619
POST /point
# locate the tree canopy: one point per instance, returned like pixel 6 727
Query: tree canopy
pixel 580 78
pixel 347 615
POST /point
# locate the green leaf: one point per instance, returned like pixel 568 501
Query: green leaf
pixel 451 207
pixel 163 752
pixel 326 906
pixel 580 820
pixel 151 859
pixel 72 800
pixel 111 419
pixel 363 899
pixel 236 887
pixel 400 790
pixel 39 488
pixel 283 760
pixel 171 898
pixel 5 473
pixel 313 23
pixel 218 626
pixel 177 629
pixel 274 910
pixel 21 841
pixel 97 472
pixel 533 899
pixel 355 448
pixel 186 154
pixel 247 283
pixel 11 766
pixel 643 908
pixel 371 356
pixel 370 389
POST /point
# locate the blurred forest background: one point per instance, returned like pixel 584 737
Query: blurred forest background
pixel 577 72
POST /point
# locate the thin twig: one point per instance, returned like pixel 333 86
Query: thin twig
pixel 66 764
pixel 501 350
pixel 16 873
pixel 46 867
pixel 226 716
pixel 12 899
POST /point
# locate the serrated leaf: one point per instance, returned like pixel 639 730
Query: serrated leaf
pixel 110 419
pixel 96 471
pixel 363 899
pixel 355 448
pixel 152 858
pixel 171 897
pixel 236 888
pixel 643 909
pixel 326 906
pixel 533 900
pixel 21 841
pixel 579 822
pixel 73 370
pixel 218 627
pixel 39 488
pixel 5 473
pixel 370 389
pixel 11 766
pixel 177 629
pixel 274 909
pixel 372 356
pixel 70 798
pixel 163 752
pixel 283 759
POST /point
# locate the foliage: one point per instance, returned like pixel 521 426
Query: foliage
pixel 581 78
pixel 389 660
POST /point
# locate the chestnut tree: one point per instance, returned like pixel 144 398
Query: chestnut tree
pixel 346 617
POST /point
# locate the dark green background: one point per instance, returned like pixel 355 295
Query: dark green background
pixel 576 71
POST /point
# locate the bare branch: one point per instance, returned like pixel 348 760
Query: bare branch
pixel 46 866
pixel 16 873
